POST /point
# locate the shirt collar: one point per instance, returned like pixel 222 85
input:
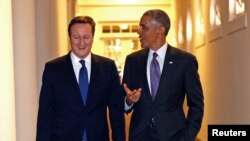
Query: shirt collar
pixel 76 60
pixel 161 51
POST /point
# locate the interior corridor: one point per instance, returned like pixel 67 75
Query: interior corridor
pixel 33 32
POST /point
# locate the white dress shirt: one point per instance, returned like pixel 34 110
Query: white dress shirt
pixel 161 57
pixel 77 65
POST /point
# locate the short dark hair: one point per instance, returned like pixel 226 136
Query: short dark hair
pixel 82 20
pixel 160 17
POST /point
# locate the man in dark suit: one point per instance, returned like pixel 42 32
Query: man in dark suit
pixel 158 113
pixel 65 115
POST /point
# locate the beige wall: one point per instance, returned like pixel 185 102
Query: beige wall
pixel 51 31
pixel 223 65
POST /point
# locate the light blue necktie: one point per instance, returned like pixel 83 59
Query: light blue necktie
pixel 83 85
pixel 155 74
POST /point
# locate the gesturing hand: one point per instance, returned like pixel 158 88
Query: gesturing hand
pixel 132 96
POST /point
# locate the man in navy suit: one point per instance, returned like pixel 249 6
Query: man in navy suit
pixel 160 117
pixel 63 115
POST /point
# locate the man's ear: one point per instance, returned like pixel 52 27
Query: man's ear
pixel 161 30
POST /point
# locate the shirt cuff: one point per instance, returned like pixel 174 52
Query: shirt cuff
pixel 126 106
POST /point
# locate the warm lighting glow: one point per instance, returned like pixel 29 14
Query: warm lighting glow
pixel 62 36
pixel 117 42
pixel 240 7
pixel 132 44
pixel 189 27
pixel 127 1
pixel 231 10
pixel 110 47
pixel 199 24
pixel 180 32
pixel 236 7
pixel 215 17
pixel 189 32
pixel 124 26
pixel 117 46
pixel 94 2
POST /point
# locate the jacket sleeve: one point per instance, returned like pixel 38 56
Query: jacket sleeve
pixel 116 106
pixel 45 111
pixel 194 98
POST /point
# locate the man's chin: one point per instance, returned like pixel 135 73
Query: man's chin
pixel 142 46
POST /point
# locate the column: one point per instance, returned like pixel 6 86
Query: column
pixel 59 26
pixel 62 27
pixel 7 99
pixel 26 92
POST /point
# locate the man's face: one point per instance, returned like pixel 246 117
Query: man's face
pixel 81 39
pixel 148 32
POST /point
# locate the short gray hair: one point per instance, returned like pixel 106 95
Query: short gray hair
pixel 160 17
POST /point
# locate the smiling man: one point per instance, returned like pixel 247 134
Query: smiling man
pixel 76 91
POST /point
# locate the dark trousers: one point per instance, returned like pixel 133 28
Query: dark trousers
pixel 151 134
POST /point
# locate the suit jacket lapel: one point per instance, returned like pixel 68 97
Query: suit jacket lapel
pixel 144 71
pixel 76 94
pixel 94 76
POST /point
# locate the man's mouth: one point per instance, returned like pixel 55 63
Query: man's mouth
pixel 82 47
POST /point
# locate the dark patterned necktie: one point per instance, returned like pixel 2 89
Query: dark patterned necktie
pixel 155 75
